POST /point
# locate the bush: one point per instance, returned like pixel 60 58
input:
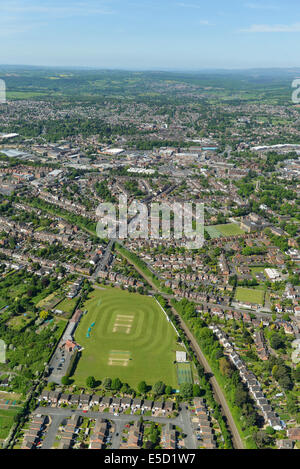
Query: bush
pixel 65 381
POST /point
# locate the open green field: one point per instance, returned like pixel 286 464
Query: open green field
pixel 6 421
pixel 213 232
pixel 218 231
pixel 230 229
pixel 131 339
pixel 250 295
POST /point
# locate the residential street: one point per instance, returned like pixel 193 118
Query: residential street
pixel 52 431
pixel 58 414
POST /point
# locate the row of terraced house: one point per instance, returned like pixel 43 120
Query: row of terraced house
pixel 56 398
pixel 250 381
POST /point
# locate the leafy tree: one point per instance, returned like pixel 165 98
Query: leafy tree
pixel 44 315
pixel 186 390
pixel 276 341
pixel 159 388
pixel 196 390
pixel 142 387
pixel 240 396
pixel 125 388
pixel 296 374
pixel 225 367
pixel 65 381
pixel 116 384
pixel 91 382
pixel 270 430
pixel 282 374
pixel 107 383
pixel 262 439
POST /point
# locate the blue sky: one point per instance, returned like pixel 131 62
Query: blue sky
pixel 151 34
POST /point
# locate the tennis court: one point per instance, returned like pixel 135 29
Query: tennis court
pixel 184 373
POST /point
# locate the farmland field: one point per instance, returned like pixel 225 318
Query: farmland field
pixel 126 335
pixel 249 295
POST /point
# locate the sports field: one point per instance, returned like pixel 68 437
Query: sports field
pixel 250 295
pixel 125 335
pixel 219 231
pixel 230 229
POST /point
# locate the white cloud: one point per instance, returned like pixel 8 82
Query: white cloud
pixel 189 5
pixel 262 6
pixel 198 7
pixel 17 18
pixel 57 10
pixel 277 28
pixel 206 23
pixel 12 27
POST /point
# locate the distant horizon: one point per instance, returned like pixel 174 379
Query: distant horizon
pixel 150 69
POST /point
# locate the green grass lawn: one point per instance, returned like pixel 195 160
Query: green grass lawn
pixel 219 231
pixel 131 340
pixel 6 421
pixel 257 270
pixel 213 232
pixel 230 229
pixel 67 305
pixel 250 295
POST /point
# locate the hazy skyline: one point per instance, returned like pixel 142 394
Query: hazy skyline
pixel 150 34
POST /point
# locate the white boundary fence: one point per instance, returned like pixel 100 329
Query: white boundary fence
pixel 168 319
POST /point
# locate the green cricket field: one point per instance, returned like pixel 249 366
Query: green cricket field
pixel 126 335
